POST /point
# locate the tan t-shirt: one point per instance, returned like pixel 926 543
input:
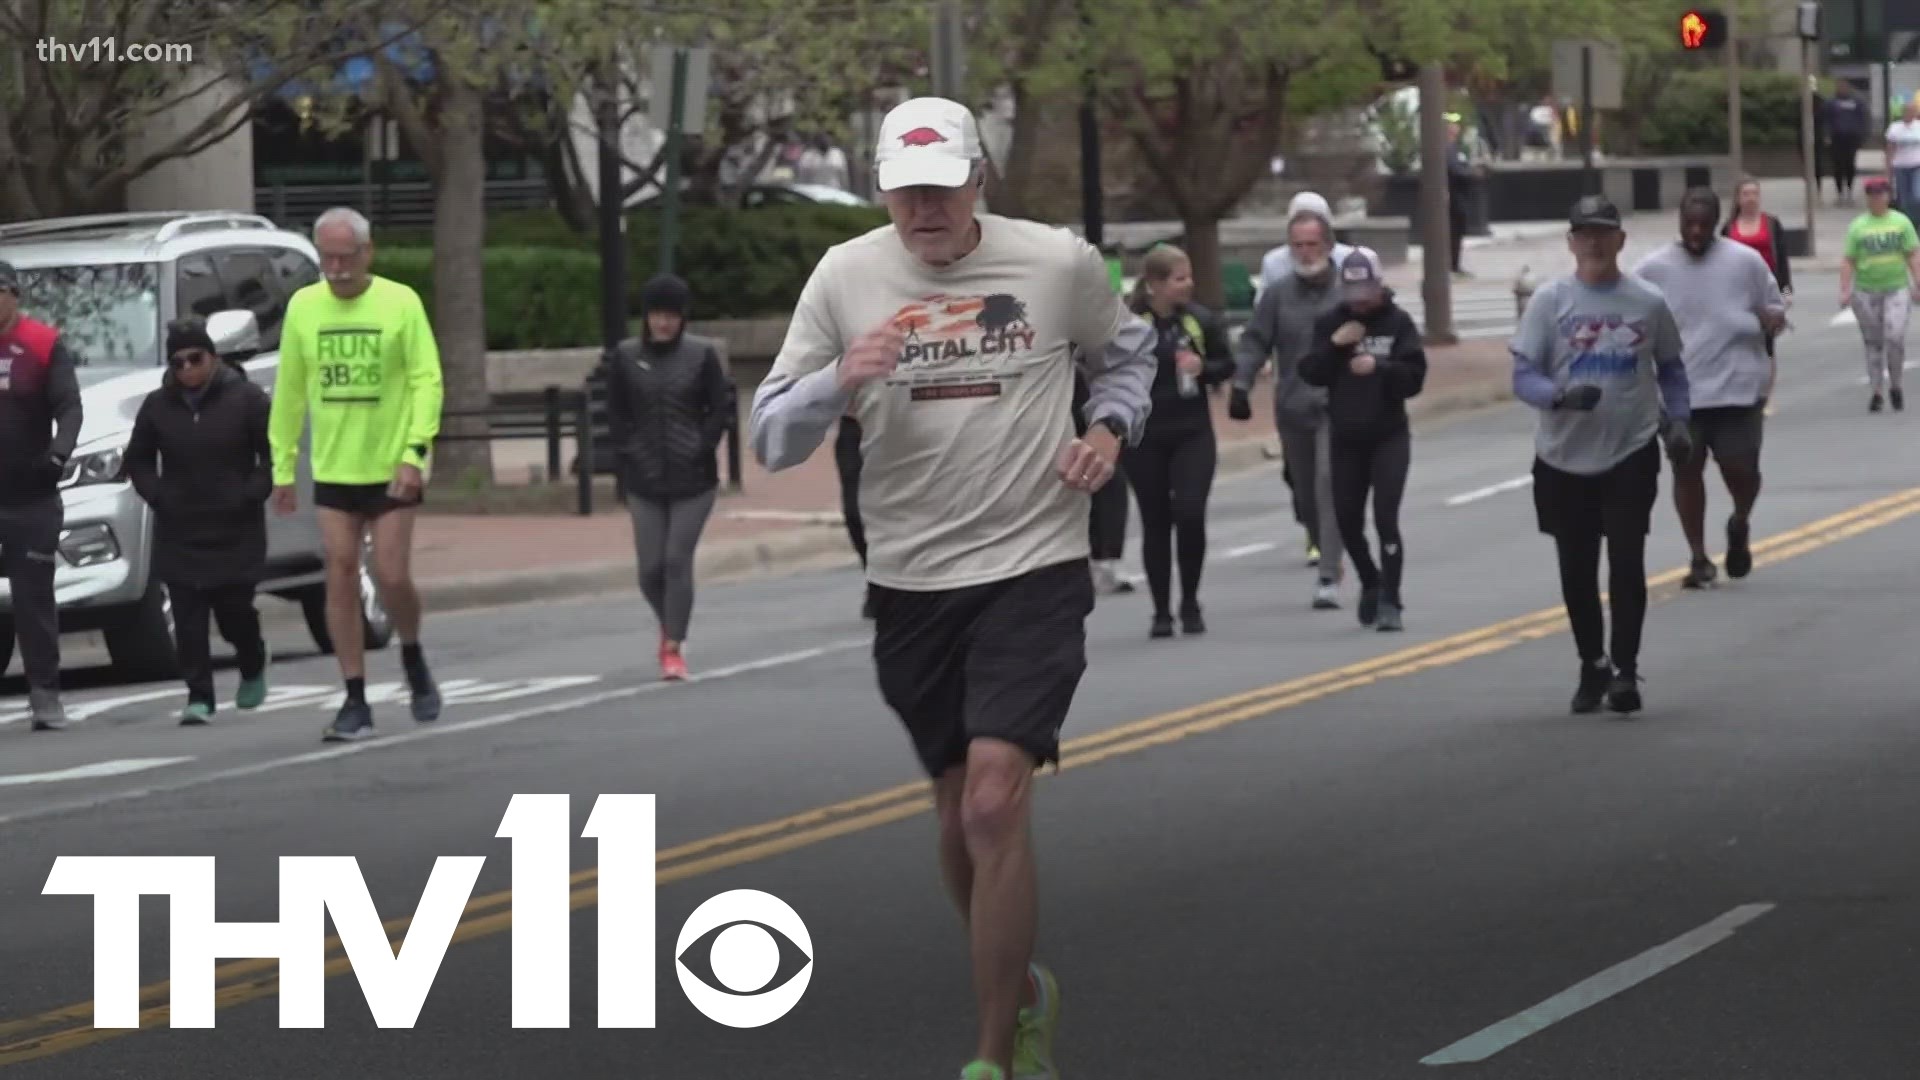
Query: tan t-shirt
pixel 960 443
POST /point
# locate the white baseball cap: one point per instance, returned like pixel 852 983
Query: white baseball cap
pixel 927 141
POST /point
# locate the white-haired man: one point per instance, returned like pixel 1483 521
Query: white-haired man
pixel 950 336
pixel 358 353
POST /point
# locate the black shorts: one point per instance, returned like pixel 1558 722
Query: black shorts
pixel 1001 660
pixel 361 500
pixel 1619 500
pixel 1732 433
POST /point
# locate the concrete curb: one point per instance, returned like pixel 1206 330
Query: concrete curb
pixel 813 546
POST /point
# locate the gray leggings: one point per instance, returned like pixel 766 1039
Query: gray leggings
pixel 664 536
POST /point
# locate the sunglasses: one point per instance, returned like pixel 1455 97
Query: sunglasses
pixel 188 358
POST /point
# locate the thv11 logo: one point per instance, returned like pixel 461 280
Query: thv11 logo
pixel 739 932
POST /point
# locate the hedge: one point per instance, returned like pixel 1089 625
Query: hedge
pixel 536 297
pixel 1691 116
pixel 740 264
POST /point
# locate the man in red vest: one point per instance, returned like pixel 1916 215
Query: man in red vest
pixel 39 423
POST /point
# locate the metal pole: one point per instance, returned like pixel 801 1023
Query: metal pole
pixel 670 208
pixel 1436 287
pixel 1587 185
pixel 1091 209
pixel 1733 94
pixel 613 241
pixel 1807 147
pixel 947 74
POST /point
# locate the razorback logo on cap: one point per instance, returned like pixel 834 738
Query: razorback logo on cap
pixel 922 136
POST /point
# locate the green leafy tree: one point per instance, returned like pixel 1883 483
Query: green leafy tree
pixel 67 114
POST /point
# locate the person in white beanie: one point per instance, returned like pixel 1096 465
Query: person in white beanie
pixel 1278 263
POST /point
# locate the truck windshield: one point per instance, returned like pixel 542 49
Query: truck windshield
pixel 107 313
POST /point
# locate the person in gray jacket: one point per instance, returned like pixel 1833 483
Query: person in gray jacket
pixel 1282 328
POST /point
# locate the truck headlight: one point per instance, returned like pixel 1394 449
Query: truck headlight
pixel 89 545
pixel 95 467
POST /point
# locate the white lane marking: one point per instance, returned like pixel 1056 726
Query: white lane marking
pixel 452 691
pixel 1623 976
pixel 1245 550
pixel 118 767
pixel 441 729
pixel 1490 490
pixel 83 710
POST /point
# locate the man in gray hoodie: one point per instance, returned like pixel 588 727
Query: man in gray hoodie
pixel 1282 328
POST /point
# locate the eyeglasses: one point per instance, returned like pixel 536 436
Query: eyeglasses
pixel 187 358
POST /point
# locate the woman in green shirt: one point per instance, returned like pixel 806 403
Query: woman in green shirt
pixel 1879 279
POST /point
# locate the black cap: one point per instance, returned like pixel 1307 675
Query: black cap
pixel 665 292
pixel 189 333
pixel 1595 211
pixel 9 278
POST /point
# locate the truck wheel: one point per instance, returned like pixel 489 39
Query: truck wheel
pixel 140 639
pixel 375 625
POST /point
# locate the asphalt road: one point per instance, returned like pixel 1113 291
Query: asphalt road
pixel 1292 847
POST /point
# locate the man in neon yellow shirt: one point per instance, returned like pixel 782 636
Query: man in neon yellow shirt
pixel 1879 279
pixel 357 354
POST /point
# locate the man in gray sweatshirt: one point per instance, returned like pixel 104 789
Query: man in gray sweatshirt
pixel 1282 328
pixel 1727 304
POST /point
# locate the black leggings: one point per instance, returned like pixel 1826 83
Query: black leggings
pixel 1107 524
pixel 1626 590
pixel 847 461
pixel 1171 473
pixel 1379 466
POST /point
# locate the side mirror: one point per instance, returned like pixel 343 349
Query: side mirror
pixel 234 331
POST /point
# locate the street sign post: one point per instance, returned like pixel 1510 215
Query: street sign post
pixel 679 104
pixel 1809 27
pixel 1590 72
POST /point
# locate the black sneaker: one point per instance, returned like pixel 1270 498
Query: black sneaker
pixel 1623 693
pixel 1369 606
pixel 1162 627
pixel 1700 574
pixel 352 723
pixel 1595 676
pixel 425 694
pixel 1897 399
pixel 1191 622
pixel 1739 555
pixel 1874 405
pixel 1389 619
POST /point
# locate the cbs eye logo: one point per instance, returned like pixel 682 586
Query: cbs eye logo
pixel 744 958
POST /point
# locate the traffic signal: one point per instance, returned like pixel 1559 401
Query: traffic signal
pixel 1702 30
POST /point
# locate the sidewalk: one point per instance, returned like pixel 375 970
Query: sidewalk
pixel 791 520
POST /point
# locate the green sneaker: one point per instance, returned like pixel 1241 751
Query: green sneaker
pixel 982 1070
pixel 253 692
pixel 195 714
pixel 1033 1039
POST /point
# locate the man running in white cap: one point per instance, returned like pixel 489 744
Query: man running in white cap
pixel 949 335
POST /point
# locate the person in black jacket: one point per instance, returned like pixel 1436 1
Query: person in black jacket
pixel 40 415
pixel 1368 353
pixel 1171 470
pixel 670 402
pixel 199 457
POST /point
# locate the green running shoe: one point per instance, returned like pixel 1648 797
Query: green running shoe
pixel 1033 1039
pixel 982 1070
pixel 195 714
pixel 253 692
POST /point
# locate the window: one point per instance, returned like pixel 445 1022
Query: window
pixel 250 281
pixel 294 271
pixel 199 289
pixel 108 314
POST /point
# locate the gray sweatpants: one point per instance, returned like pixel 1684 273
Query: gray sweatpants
pixel 664 536
pixel 1883 329
pixel 1305 447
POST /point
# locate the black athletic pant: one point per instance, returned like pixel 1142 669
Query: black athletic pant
pixel 1626 589
pixel 29 551
pixel 232 609
pixel 846 458
pixel 1107 524
pixel 1171 473
pixel 1845 149
pixel 1376 466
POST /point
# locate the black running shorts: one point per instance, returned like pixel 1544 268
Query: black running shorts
pixel 361 500
pixel 1731 433
pixel 1619 501
pixel 1000 660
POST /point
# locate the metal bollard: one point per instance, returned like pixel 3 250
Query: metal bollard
pixel 1522 291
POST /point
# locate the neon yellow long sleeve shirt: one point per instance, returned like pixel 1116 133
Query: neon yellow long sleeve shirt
pixel 368 371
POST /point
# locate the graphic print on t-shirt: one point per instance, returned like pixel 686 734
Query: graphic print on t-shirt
pixel 1605 348
pixel 349 363
pixel 961 346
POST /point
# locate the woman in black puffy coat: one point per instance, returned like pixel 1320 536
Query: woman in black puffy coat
pixel 669 403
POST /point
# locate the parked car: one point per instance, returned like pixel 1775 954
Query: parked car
pixel 110 283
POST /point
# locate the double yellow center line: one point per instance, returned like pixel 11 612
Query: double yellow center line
pixel 68 1028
